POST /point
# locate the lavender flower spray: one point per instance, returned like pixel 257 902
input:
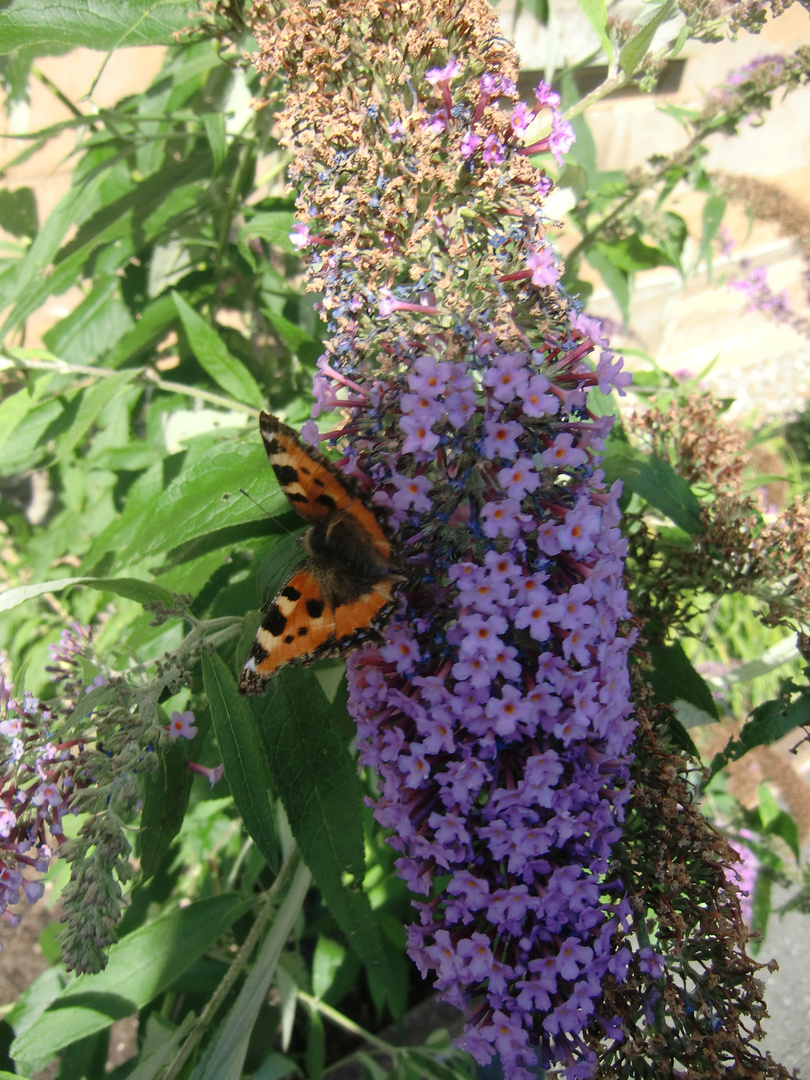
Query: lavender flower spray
pixel 497 715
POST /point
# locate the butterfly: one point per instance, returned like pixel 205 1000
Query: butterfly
pixel 346 589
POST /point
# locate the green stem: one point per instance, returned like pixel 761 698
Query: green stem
pixel 348 1025
pixel 143 375
pixel 231 1041
pixel 680 157
pixel 60 96
pixel 616 82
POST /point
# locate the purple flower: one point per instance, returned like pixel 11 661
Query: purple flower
pixel 411 493
pixel 470 143
pixel 501 438
pixel 507 376
pixel 182 725
pixel 212 774
pixel 451 70
pixel 543 265
pixel 300 236
pixel 546 97
pixel 519 479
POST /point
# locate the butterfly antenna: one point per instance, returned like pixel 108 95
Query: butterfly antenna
pixel 254 501
pixel 265 511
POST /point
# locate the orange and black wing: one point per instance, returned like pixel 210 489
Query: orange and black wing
pixel 318 613
pixel 346 590
pixel 316 489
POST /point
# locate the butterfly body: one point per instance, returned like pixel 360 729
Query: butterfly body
pixel 345 590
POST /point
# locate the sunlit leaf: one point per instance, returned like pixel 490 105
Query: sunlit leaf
pixel 102 24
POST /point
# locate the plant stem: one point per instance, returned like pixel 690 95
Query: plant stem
pixel 146 375
pixel 347 1024
pixel 231 1041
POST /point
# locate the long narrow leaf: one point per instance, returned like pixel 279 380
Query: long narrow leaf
pixel 209 348
pixel 242 754
pixel 315 776
pixel 225 1058
pixel 140 967
pixel 144 592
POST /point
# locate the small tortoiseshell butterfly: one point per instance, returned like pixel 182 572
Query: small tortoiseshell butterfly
pixel 345 590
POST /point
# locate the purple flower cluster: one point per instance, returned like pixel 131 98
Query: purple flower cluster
pixel 497 714
pixel 34 790
pixel 774 63
pixel 744 875
pixel 761 297
pixel 496 717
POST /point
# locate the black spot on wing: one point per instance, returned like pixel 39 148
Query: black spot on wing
pixel 286 474
pixel 274 621
pixel 315 608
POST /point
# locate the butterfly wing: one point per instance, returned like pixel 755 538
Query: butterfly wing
pixel 346 590
pixel 318 613
pixel 317 491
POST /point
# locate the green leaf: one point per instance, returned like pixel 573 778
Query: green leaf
pixel 103 24
pixel 140 967
pixel 674 238
pixel 273 226
pixel 92 328
pixel 202 499
pixel 680 41
pixel 772 720
pixel 614 278
pixel 13 410
pixel 538 8
pixel 783 652
pixel 293 336
pixel 674 679
pixel 655 481
pixel 315 776
pixel 154 321
pixel 631 253
pixel 115 225
pixel 776 822
pixel 30 1006
pixel 595 11
pixel 165 801
pixel 634 51
pixel 18 211
pixel 96 698
pixel 274 1067
pixel 91 404
pixel 760 911
pixel 37 265
pixel 326 962
pixel 225 1055
pixel 145 592
pixel 243 756
pixel 214 124
pixel 714 209
pixel 160 1046
pixel 209 348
